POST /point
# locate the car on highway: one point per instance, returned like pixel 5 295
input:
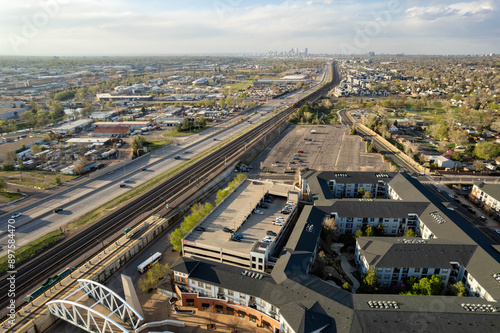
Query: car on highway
pixel 177 157
pixel 143 169
pixel 497 231
pixel 122 185
pixel 16 215
pixel 482 218
pixel 125 181
pixel 200 229
pixel 57 210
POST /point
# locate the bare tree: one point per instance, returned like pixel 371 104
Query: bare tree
pixel 211 316
pixel 234 324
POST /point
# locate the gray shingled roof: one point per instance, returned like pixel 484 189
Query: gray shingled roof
pixel 436 253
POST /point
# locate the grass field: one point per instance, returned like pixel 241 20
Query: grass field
pixel 34 178
pixel 175 134
pixel 11 196
pixel 239 86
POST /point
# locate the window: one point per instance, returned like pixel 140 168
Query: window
pixel 260 260
pixel 388 269
pixel 416 270
pixel 229 311
pixel 208 286
pixel 177 278
pixel 254 259
pixel 349 225
pixel 444 270
pixel 230 292
pixel 379 269
pixel 253 265
pixel 201 284
pixel 243 296
pixel 260 267
pixel 424 270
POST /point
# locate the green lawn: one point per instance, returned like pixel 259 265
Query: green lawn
pixel 11 196
pixel 175 134
pixel 34 178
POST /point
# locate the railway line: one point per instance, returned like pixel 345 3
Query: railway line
pixel 401 163
pixel 30 274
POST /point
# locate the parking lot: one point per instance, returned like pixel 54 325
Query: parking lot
pixel 328 148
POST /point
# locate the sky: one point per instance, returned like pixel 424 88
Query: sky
pixel 153 27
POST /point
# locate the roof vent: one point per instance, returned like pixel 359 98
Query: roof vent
pixel 383 304
pixel 438 217
pixel 479 307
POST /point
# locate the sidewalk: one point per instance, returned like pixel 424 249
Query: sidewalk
pixel 346 267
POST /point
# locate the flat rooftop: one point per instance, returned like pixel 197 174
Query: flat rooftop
pixel 235 212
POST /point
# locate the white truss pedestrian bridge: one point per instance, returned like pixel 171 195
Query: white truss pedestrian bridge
pixel 97 309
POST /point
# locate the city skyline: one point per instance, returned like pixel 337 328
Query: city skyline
pixel 60 27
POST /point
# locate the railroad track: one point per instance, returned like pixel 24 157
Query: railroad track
pixel 58 257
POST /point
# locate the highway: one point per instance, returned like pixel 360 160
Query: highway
pixel 181 184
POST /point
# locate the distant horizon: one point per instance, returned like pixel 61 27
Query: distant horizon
pixel 250 54
pixel 198 27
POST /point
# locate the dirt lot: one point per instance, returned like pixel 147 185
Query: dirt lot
pixel 329 148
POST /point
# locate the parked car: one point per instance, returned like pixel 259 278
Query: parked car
pixel 497 231
pixel 285 211
pixel 235 239
pixel 226 229
pixel 271 233
pixel 256 211
pixel 266 241
pixel 264 205
pixel 278 223
pixel 280 218
pixel 200 229
pixel 482 218
pixel 239 236
pixel 300 151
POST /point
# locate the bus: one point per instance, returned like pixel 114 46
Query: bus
pixel 149 262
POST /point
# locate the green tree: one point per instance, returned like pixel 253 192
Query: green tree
pixel 137 144
pixel 147 281
pixel 57 180
pixel 459 289
pixel 361 192
pixel 367 195
pixel 346 286
pixel 369 232
pixel 35 149
pixel 428 286
pixel 10 158
pixel 370 283
pixel 410 233
pixel 485 150
pixel 3 184
pixel 358 233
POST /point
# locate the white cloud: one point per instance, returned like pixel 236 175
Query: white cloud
pixel 461 9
